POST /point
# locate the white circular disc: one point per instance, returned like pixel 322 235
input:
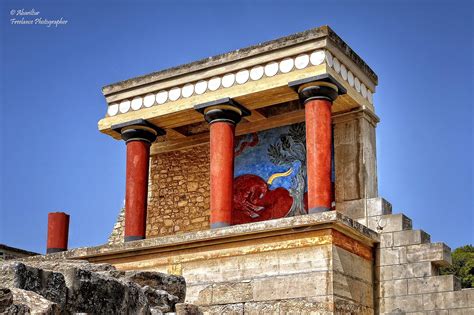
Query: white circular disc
pixel 370 97
pixel 187 90
pixel 112 110
pixel 357 84
pixel 174 93
pixel 337 65
pixel 214 83
pixel 286 65
pixel 161 97
pixel 363 90
pixel 228 80
pixel 149 100
pixel 201 87
pixel 329 59
pixel 242 76
pixel 350 78
pixel 271 69
pixel 317 57
pixel 137 103
pixel 344 72
pixel 301 61
pixel 256 73
pixel 124 106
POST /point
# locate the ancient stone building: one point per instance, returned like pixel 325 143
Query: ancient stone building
pixel 253 175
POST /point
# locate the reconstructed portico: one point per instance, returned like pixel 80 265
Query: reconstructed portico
pixel 253 174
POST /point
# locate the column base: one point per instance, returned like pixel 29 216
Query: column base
pixel 133 238
pixel 217 225
pixel 318 209
pixel 55 250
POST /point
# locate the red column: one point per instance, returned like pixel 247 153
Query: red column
pixel 136 189
pixel 318 97
pixel 138 135
pixel 58 230
pixel 222 172
pixel 222 115
pixel 318 151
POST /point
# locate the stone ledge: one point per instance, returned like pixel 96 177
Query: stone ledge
pixel 290 225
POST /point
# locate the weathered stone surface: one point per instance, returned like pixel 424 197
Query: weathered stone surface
pixel 410 237
pixel 159 300
pixel 388 223
pixel 433 284
pixel 231 292
pixel 292 286
pixel 36 303
pixel 47 283
pixel 187 309
pixel 361 208
pixel 6 299
pixel 438 253
pixel 226 309
pixel 79 286
pixel 174 285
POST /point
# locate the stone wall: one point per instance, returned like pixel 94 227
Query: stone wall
pixel 178 198
pixel 407 263
pixel 178 194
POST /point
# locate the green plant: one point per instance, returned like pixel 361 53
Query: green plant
pixel 463 265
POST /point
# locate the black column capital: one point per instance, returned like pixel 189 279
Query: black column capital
pixel 224 109
pixel 138 130
pixel 319 87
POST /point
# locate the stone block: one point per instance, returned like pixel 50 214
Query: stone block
pixel 314 305
pixel 433 284
pixel 346 306
pixel 231 292
pixel 388 223
pixel 199 294
pixel 462 311
pixel 354 266
pixel 174 285
pixel 359 291
pixel 410 270
pixel 187 309
pixel 437 253
pixel 49 284
pixel 227 309
pixel 36 303
pixel 393 288
pixel 257 308
pixel 386 240
pixel 361 208
pixel 410 237
pixel 437 312
pixel 293 286
pixel 449 300
pixel 390 256
pixel 401 304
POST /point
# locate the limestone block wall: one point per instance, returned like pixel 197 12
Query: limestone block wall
pixel 407 279
pixel 178 198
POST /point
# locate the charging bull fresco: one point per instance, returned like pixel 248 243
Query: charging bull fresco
pixel 270 175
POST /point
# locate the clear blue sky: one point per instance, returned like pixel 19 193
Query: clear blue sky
pixel 54 159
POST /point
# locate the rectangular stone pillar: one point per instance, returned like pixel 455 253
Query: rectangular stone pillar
pixel 355 157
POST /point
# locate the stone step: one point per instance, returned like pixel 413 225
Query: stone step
pixel 387 223
pixel 410 237
pixel 438 253
pixel 433 284
pixel 361 208
pixel 404 238
pixel 406 271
